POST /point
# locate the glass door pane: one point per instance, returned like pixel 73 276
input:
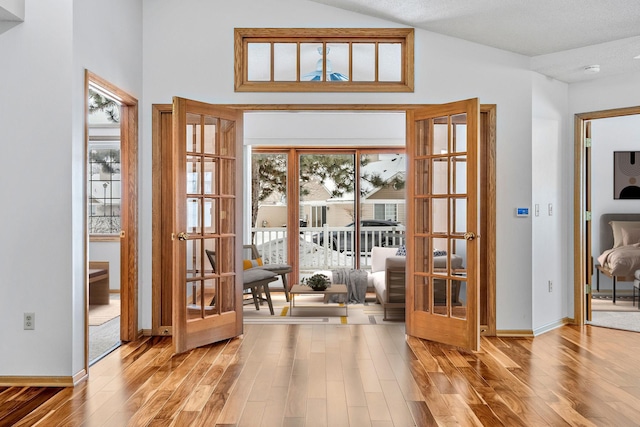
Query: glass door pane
pixel 327 209
pixel 269 207
pixel 382 202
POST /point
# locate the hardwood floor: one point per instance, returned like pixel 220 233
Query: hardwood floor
pixel 350 375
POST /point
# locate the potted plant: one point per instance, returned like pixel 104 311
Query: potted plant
pixel 317 282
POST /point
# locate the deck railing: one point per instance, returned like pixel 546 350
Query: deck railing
pixel 325 248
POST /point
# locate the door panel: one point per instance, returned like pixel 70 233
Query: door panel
pixel 442 235
pixel 206 284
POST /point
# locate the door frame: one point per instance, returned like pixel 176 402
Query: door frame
pixel 129 209
pixel 488 115
pixel 580 176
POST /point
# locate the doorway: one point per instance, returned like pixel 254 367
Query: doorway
pixel 161 314
pixel 599 137
pixel 111 206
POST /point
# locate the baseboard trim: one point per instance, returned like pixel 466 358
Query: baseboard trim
pixel 515 333
pixel 79 377
pixel 40 381
pixel 551 326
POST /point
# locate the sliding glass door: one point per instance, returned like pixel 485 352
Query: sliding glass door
pixel 339 204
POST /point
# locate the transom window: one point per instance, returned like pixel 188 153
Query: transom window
pixel 324 60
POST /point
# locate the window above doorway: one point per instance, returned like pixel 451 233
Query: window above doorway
pixel 324 59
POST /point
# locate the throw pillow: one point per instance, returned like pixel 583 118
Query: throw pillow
pixel 630 236
pixel 251 263
pixel 438 252
pixel 617 226
pixel 402 251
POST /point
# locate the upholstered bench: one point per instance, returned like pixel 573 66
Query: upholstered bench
pixel 98 282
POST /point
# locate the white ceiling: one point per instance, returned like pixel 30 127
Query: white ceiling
pixel 561 37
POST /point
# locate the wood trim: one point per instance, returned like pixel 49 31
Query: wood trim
pixel 578 225
pixel 488 116
pixel 579 200
pixel 41 381
pixel 129 207
pixel 104 238
pixel 161 306
pixel 515 333
pixel 404 36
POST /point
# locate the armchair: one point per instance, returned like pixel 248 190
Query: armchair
pixel 251 253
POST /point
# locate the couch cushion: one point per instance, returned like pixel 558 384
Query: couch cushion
pixel 395 262
pixel 252 275
pixel 378 280
pixel 441 261
pixel 378 257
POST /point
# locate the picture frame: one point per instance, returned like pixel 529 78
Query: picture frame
pixel 626 175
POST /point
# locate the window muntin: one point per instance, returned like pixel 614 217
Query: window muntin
pixel 324 60
pixel 104 187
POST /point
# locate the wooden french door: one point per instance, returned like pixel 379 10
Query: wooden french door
pixel 442 234
pixel 206 181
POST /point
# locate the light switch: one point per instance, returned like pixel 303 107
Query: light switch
pixel 550 209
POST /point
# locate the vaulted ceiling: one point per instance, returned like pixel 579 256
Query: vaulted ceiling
pixel 562 37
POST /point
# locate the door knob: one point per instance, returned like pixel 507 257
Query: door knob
pixel 183 236
pixel 469 235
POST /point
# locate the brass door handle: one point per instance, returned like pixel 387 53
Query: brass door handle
pixel 469 235
pixel 183 236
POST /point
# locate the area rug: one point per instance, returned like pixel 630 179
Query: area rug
pixel 628 321
pixel 102 313
pixel 311 309
pixel 606 304
pixel 103 339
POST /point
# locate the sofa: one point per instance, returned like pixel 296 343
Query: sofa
pixel 388 278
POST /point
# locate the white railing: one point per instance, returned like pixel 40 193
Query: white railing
pixel 325 248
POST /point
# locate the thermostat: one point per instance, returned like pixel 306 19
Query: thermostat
pixel 522 211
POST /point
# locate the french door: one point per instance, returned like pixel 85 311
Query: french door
pixel 443 223
pixel 206 231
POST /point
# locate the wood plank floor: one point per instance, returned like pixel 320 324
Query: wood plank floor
pixel 350 375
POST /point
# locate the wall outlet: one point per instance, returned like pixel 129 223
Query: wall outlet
pixel 550 286
pixel 29 321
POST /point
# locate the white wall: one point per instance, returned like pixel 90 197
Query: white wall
pixel 42 118
pixel 609 135
pixel 446 69
pixel 604 94
pixel 550 213
pixel 35 119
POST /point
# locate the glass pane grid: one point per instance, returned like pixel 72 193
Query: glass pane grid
pixel 292 62
pixel 104 190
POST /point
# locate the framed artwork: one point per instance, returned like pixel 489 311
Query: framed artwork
pixel 626 175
